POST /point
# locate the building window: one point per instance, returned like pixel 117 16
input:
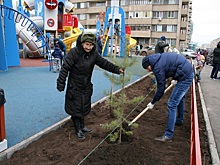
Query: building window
pixel 172 42
pixel 82 16
pixel 170 14
pixel 154 41
pixel 139 2
pixel 165 2
pixel 164 28
pixel 99 4
pixel 140 14
pixel 147 14
pixel 165 14
pixel 159 28
pixel 140 27
pixel 108 3
pixel 157 14
pixel 126 14
pixel 171 28
pixel 77 5
pixel 93 16
pixel 83 5
pixel 124 2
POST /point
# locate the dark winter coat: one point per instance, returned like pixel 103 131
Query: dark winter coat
pixel 57 53
pixel 216 55
pixel 78 66
pixel 159 48
pixel 168 65
pixel 61 44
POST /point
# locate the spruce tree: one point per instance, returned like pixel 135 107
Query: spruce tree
pixel 118 103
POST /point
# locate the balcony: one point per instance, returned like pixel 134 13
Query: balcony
pixel 90 10
pixel 141 33
pixel 165 7
pixel 184 11
pixel 139 21
pixel 165 21
pixel 182 37
pixel 167 34
pixel 185 1
pixel 183 24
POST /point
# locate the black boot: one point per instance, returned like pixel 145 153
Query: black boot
pixel 78 131
pixel 83 128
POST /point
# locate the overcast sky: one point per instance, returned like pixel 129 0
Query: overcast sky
pixel 206 19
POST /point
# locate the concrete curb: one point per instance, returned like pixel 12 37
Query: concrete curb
pixel 212 144
pixel 6 154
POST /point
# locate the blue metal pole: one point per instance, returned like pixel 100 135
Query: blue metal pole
pixel 11 45
pixel 3 60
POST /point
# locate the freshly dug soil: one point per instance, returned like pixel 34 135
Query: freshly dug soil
pixel 60 147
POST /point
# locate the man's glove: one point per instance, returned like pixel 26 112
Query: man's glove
pixel 150 105
pixel 174 82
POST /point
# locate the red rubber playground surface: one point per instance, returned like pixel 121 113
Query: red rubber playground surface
pixel 33 62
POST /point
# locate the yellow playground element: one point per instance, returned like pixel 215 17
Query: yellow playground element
pixel 74 33
pixel 132 44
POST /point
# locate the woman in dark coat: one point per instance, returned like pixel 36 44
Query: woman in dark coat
pixel 78 66
pixel 216 62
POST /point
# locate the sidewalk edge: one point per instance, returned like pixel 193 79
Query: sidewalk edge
pixel 211 140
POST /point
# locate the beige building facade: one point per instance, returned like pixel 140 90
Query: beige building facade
pixel 148 19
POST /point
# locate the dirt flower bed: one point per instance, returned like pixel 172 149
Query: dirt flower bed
pixel 60 147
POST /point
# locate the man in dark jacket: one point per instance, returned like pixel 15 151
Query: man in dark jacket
pixel 78 65
pixel 173 65
pixel 159 48
pixel 216 62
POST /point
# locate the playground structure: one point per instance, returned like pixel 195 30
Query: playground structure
pixel 35 31
pixel 58 19
pixel 52 18
pixel 116 33
pixel 71 27
pixel 27 29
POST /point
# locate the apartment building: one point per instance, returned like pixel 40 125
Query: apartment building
pixel 148 19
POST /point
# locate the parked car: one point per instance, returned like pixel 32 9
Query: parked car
pixel 147 51
pixel 189 53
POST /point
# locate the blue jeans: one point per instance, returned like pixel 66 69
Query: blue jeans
pixel 176 102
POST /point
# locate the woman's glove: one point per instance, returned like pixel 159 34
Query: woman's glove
pixel 60 89
pixel 150 105
pixel 174 82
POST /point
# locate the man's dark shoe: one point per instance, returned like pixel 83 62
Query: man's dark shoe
pixel 86 130
pixel 178 124
pixel 163 139
pixel 80 135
